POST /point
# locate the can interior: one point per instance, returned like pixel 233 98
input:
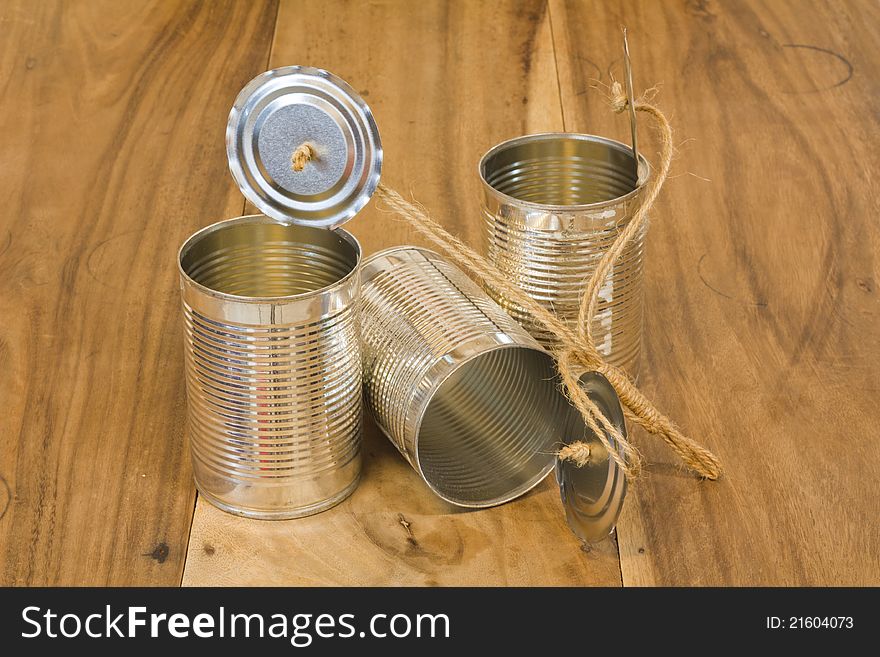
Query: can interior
pixel 491 430
pixel 261 258
pixel 561 169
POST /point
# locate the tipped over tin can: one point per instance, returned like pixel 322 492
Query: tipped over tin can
pixel 552 205
pixel 465 394
pixel 271 303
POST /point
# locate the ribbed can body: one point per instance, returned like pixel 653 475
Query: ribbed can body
pixel 466 394
pixel 552 206
pixel 273 372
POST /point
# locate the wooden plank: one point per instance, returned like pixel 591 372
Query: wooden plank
pixel 112 117
pixel 762 282
pixel 446 82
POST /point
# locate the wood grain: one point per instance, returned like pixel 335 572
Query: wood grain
pixel 446 81
pixel 112 117
pixel 762 281
pixel 763 306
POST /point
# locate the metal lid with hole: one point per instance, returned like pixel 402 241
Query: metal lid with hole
pixel 593 494
pixel 303 147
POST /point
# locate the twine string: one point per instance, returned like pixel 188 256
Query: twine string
pixel 302 156
pixel 578 453
pixel 576 348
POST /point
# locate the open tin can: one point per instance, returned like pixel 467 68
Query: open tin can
pixel 552 205
pixel 271 303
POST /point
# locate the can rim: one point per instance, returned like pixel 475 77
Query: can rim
pixel 242 172
pixel 263 219
pixel 398 247
pixel 596 527
pixel 510 495
pixel 644 169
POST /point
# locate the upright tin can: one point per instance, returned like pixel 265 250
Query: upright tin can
pixel 271 303
pixel 468 397
pixel 552 205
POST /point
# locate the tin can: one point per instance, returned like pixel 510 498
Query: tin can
pixel 552 205
pixel 468 397
pixel 271 305
pixel 272 365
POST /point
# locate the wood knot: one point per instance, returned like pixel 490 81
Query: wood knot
pixel 578 453
pixel 302 156
pixel 160 552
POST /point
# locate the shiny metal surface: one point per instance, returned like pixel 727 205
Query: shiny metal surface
pixel 552 205
pixel 467 396
pixel 593 494
pixel 282 109
pixel 631 101
pixel 272 365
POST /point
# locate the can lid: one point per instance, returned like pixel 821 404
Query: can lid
pixel 303 147
pixel 593 494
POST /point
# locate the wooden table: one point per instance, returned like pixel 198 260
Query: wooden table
pixel 763 291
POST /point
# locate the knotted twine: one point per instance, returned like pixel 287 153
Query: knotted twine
pixel 301 156
pixel 576 350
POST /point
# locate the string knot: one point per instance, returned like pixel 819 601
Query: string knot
pixel 302 156
pixel 578 453
pixel 618 98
